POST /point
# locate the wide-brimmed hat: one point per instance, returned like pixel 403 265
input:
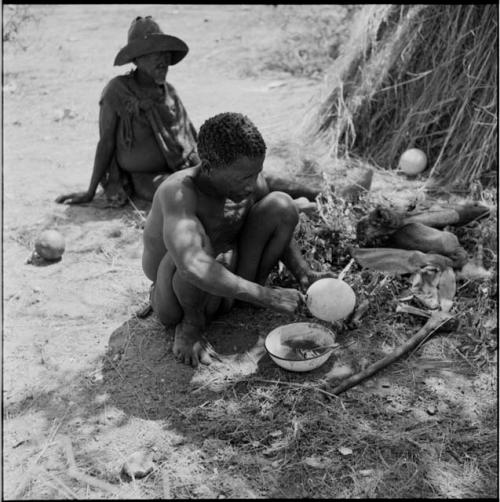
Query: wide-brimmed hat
pixel 146 37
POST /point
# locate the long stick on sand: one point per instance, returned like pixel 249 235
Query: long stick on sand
pixel 436 320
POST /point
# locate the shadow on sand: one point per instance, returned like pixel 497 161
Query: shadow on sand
pixel 143 378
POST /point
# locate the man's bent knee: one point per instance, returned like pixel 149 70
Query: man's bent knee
pixel 168 314
pixel 280 206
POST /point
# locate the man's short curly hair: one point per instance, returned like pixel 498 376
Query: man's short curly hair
pixel 226 136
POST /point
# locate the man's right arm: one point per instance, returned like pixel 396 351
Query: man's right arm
pixel 189 246
pixel 108 122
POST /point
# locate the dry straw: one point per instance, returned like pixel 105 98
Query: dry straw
pixel 420 76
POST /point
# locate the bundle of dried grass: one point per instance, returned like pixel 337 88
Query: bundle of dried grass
pixel 421 76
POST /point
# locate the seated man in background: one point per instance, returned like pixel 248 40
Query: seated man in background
pixel 145 132
pixel 214 233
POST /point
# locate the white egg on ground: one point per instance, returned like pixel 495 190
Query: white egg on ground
pixel 50 244
pixel 330 299
pixel 413 161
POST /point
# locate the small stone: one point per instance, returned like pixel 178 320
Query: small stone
pixel 366 472
pixel 274 85
pixel 316 462
pixel 138 465
pixel 10 87
pixel 431 410
pixel 58 115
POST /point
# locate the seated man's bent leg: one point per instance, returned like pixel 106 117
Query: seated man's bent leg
pixel 163 298
pixel 266 235
pixel 178 303
pixel 197 308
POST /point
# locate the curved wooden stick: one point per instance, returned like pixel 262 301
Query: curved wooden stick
pixel 436 320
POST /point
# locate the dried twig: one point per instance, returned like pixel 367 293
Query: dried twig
pixel 143 220
pixel 408 309
pixel 21 487
pixel 346 269
pixel 75 473
pixel 165 483
pixel 437 320
pixel 59 485
pixel 296 386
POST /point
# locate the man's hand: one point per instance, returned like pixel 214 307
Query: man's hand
pixel 74 198
pixel 286 300
pixel 313 276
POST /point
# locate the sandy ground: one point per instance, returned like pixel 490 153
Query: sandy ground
pixel 61 320
pixel 77 361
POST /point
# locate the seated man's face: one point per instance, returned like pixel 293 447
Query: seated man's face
pixel 155 65
pixel 238 180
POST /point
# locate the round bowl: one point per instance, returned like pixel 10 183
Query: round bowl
pixel 291 346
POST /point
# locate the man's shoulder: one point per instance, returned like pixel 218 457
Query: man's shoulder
pixel 177 195
pixel 116 85
pixel 182 179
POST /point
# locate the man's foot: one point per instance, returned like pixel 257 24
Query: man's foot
pixel 189 346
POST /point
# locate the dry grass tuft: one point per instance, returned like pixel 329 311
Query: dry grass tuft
pixel 420 76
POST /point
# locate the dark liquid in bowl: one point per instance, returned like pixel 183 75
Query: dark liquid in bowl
pixel 302 349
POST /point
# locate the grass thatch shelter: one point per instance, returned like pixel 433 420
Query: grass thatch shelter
pixel 422 76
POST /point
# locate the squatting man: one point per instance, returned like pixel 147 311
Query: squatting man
pixel 145 133
pixel 214 233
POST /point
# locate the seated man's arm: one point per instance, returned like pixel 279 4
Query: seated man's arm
pixel 108 122
pixel 189 246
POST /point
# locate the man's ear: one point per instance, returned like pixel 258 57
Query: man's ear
pixel 206 167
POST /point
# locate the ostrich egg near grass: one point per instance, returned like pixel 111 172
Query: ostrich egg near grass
pixel 413 162
pixel 330 299
pixel 50 245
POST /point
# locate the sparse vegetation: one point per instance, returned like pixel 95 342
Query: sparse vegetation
pixel 17 19
pixel 306 43
pixel 422 76
pixel 424 427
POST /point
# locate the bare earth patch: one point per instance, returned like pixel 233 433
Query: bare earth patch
pixel 80 368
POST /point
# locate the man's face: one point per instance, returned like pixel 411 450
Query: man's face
pixel 238 180
pixel 155 65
